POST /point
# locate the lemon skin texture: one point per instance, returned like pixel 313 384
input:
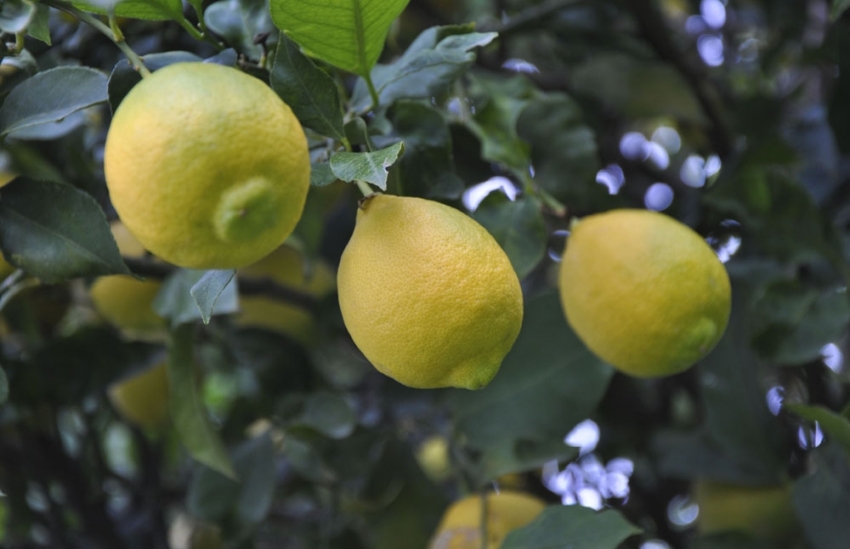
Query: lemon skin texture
pixel 644 292
pixel 286 267
pixel 508 510
pixel 427 294
pixel 126 301
pixel 763 512
pixel 206 166
pixel 143 398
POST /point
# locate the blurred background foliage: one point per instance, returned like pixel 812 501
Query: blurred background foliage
pixel 732 116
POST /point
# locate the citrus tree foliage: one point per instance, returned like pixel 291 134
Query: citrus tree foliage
pixel 733 117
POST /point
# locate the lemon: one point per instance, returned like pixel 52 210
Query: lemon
pixel 123 300
pixel 460 527
pixel 427 294
pixel 206 166
pixel 433 457
pixel 764 512
pixel 286 267
pixel 644 292
pixel 143 398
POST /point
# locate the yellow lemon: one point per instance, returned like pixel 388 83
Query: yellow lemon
pixel 433 457
pixel 644 292
pixel 286 267
pixel 460 527
pixel 206 166
pixel 143 398
pixel 764 512
pixel 427 294
pixel 124 300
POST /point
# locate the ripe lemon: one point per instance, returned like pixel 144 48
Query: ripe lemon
pixel 644 292
pixel 765 512
pixel 427 294
pixel 124 300
pixel 143 398
pixel 460 527
pixel 286 267
pixel 206 166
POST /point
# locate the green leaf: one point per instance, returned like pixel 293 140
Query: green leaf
pixel 239 22
pixel 124 76
pixel 427 168
pixel 39 27
pixel 838 9
pixel 56 232
pixel 369 166
pixel 308 90
pixel 176 301
pixel 822 499
pixel 348 34
pixel 16 15
pixel 547 384
pixel 50 96
pixel 187 410
pixel 572 527
pixel 792 322
pixel 836 425
pixel 432 62
pixel 327 413
pixel 321 174
pixel 563 152
pixel 517 226
pixel 4 387
pixel 152 10
pixel 498 105
pixel 213 496
pixel 207 290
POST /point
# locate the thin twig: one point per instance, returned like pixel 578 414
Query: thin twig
pixel 528 16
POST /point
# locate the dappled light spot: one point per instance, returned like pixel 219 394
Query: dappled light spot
pixel 809 437
pixel 692 171
pixel 682 511
pixel 589 482
pixel 520 65
pixel 775 396
pixel 633 146
pixel 655 544
pixel 833 357
pixel 710 48
pixel 658 197
pixel 474 195
pixel 612 177
pixel 584 436
pixel 557 244
pixel 713 13
pixel 668 138
pixel 657 155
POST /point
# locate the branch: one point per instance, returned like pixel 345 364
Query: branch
pixel 528 16
pixel 656 32
pixel 150 268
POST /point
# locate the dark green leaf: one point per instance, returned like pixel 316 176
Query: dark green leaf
pixel 39 27
pixel 56 232
pixel 213 496
pixel 517 226
pixel 50 96
pixel 321 175
pixel 153 10
pixel 327 413
pixel 432 62
pixel 124 76
pixel 838 8
pixel 572 527
pixel 547 384
pixel 239 22
pixel 176 302
pixel 835 425
pixel 16 15
pixel 427 168
pixel 347 34
pixel 822 499
pixel 4 387
pixel 187 410
pixel 308 90
pixel 369 166
pixel 563 152
pixel 207 290
pixel 498 105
